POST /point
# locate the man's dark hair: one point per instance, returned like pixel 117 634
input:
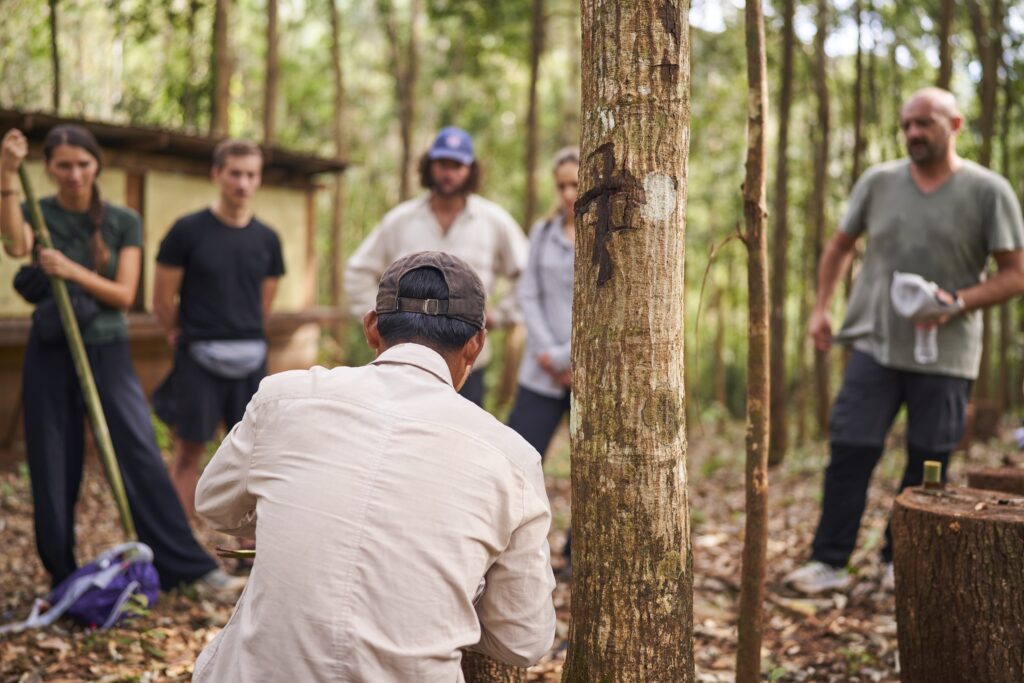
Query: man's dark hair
pixel 443 334
pixel 471 185
pixel 234 148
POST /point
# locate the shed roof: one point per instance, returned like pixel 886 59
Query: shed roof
pixel 159 141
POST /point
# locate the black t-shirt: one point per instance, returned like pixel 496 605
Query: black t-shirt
pixel 222 288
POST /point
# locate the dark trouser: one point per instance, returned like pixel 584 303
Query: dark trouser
pixel 54 417
pixel 193 401
pixel 473 389
pixel 864 410
pixel 535 417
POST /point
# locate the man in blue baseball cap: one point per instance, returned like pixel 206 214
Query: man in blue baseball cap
pixel 449 218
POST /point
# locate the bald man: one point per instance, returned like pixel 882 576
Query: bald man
pixel 940 216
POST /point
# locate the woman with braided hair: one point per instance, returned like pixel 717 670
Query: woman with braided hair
pixel 98 252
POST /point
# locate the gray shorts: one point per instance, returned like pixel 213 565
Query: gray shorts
pixel 872 394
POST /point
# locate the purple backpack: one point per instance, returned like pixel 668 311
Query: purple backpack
pixel 98 594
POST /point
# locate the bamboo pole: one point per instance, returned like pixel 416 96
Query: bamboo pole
pixel 92 398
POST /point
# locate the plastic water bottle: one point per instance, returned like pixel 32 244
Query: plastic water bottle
pixel 926 344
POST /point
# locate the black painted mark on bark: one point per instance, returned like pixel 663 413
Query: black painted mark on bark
pixel 614 195
pixel 669 15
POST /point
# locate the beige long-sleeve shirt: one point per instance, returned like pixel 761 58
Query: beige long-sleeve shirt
pixel 379 499
pixel 483 235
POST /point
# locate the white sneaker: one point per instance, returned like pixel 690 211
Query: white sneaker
pixel 888 578
pixel 817 577
pixel 219 585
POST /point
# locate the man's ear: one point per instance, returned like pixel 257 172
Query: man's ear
pixel 473 347
pixel 956 124
pixel 372 334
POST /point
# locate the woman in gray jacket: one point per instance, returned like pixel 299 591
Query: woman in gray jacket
pixel 545 296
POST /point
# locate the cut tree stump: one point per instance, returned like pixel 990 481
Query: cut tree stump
pixel 959 560
pixel 478 668
pixel 1006 479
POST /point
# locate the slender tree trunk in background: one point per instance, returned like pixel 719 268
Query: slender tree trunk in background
pixel 872 87
pixel 571 126
pixel 819 199
pixel 222 60
pixel 778 440
pixel 536 48
pixel 1007 390
pixel 896 103
pixel 987 30
pixel 632 602
pixel 340 150
pixel 190 99
pixel 858 102
pixel 404 67
pixel 273 70
pixel 755 539
pixel 55 55
pixel 947 8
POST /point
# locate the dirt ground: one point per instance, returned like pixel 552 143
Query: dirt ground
pixel 843 637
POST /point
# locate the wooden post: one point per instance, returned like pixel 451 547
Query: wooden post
pixel 959 586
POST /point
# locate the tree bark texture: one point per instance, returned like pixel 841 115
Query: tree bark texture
pixel 819 200
pixel 404 67
pixel 55 54
pixel 959 582
pixel 273 69
pixel 536 48
pixel 755 539
pixel 947 9
pixel 1006 479
pixel 778 440
pixel 222 60
pixel 340 150
pixel 479 668
pixel 632 603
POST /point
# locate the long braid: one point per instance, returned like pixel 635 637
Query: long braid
pixel 98 246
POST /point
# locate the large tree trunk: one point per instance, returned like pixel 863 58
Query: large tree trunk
pixel 959 586
pixel 404 67
pixel 778 440
pixel 755 539
pixel 947 8
pixel 536 48
pixel 273 70
pixel 221 59
pixel 55 55
pixel 478 668
pixel 632 603
pixel 819 200
pixel 340 150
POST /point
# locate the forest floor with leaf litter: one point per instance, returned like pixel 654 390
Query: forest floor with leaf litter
pixel 840 637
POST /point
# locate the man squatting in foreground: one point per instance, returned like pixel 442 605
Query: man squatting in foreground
pixel 396 522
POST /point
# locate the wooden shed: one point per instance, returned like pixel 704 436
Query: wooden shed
pixel 164 175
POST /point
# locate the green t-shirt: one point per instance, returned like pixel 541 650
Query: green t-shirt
pixel 71 231
pixel 946 236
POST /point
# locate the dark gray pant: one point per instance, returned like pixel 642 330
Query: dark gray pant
pixel 864 410
pixel 54 423
pixel 535 417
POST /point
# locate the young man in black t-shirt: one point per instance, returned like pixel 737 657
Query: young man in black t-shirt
pixel 216 275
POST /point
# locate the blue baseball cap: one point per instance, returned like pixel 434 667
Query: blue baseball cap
pixel 452 143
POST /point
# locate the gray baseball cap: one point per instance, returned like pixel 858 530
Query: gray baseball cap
pixel 467 300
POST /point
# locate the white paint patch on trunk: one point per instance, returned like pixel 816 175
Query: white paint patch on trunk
pixel 607 119
pixel 644 90
pixel 660 191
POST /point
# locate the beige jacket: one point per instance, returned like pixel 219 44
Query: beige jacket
pixel 483 235
pixel 380 500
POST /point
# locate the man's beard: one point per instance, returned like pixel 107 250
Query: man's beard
pixel 457 191
pixel 924 153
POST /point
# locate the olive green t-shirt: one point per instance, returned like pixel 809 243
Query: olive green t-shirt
pixel 71 231
pixel 946 237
